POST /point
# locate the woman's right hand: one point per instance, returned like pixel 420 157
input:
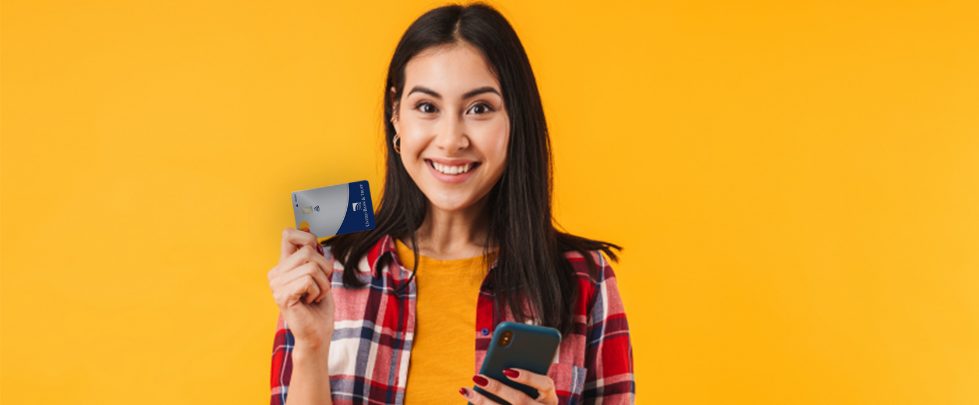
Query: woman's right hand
pixel 301 288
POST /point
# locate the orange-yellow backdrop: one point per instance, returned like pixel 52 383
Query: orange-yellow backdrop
pixel 796 185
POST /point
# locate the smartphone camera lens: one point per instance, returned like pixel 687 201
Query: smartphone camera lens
pixel 505 339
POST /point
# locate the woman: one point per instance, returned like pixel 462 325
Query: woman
pixel 467 207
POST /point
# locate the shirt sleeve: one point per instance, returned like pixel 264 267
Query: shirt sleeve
pixel 281 362
pixel 609 379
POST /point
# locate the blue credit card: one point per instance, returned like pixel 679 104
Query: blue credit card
pixel 334 210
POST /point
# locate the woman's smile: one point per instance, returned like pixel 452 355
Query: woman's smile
pixel 451 170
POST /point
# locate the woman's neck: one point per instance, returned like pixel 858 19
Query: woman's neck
pixel 449 235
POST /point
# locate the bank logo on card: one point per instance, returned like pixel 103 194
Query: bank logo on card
pixel 323 212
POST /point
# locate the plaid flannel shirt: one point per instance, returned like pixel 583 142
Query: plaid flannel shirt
pixel 374 330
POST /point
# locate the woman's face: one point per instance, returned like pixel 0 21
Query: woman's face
pixel 454 128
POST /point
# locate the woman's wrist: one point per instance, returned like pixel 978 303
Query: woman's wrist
pixel 310 382
pixel 310 350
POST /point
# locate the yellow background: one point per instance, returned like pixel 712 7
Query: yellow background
pixel 796 185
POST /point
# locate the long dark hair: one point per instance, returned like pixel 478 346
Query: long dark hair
pixel 530 263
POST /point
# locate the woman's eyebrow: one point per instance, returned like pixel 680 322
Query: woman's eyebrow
pixel 425 90
pixel 471 93
pixel 479 91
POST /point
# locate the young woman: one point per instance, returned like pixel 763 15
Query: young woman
pixel 466 207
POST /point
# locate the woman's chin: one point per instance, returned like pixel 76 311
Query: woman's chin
pixel 452 200
pixel 450 205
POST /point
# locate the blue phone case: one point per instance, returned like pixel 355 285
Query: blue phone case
pixel 531 348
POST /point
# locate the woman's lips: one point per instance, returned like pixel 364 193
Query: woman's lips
pixel 449 177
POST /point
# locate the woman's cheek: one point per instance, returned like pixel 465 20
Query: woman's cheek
pixel 411 140
pixel 500 137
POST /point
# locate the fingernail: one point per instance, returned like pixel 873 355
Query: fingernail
pixel 463 392
pixel 319 248
pixel 480 381
pixel 511 373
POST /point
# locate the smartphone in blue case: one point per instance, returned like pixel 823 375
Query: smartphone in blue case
pixel 523 346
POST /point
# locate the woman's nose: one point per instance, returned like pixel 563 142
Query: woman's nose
pixel 451 136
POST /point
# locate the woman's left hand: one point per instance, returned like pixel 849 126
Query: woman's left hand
pixel 543 384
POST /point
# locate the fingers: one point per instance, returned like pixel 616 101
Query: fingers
pixel 499 389
pixel 293 239
pixel 476 398
pixel 303 255
pixel 310 269
pixel 543 383
pixel 290 294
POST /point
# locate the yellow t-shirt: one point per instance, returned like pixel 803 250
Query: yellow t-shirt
pixel 444 353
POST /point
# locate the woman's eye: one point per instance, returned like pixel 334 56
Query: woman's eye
pixel 480 109
pixel 426 108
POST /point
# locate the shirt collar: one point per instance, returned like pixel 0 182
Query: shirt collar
pixel 383 247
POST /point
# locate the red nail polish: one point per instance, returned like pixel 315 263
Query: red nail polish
pixel 319 248
pixel 511 373
pixel 462 391
pixel 480 381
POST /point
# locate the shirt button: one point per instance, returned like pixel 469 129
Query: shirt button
pixel 485 331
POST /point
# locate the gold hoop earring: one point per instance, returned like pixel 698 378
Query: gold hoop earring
pixel 396 141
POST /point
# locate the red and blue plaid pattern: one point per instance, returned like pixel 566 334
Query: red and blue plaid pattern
pixel 374 329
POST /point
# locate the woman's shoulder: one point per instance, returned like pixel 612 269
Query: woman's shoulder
pixel 588 257
pixel 595 281
pixel 594 267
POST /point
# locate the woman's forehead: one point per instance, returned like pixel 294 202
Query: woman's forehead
pixel 450 70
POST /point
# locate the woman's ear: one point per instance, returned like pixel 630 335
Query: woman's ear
pixel 394 113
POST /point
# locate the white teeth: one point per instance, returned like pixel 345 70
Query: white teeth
pixel 452 169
